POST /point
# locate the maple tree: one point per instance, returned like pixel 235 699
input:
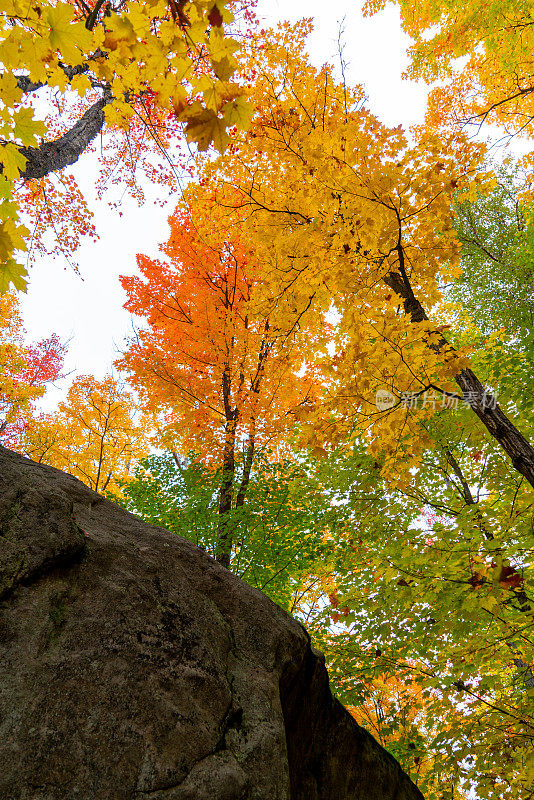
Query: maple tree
pixel 480 52
pixel 130 64
pixel 363 219
pixel 223 367
pixel 437 592
pixel 25 371
pixel 93 434
pixel 339 207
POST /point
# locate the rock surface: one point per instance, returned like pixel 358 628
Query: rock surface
pixel 133 666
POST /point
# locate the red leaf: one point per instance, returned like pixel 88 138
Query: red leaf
pixel 510 578
pixel 215 17
pixel 476 579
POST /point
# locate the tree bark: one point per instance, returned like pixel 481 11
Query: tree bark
pixel 224 531
pixel 512 441
pixel 247 467
pixel 62 152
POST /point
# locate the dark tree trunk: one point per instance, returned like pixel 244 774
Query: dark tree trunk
pixel 226 493
pixel 492 416
pixel 512 441
pixel 247 467
pixel 62 152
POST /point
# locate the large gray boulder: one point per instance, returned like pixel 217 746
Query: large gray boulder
pixel 133 666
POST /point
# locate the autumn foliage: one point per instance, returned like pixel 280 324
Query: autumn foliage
pixel 211 356
pixel 94 434
pixel 320 261
pixel 353 215
pixel 225 369
pixel 25 371
pixel 106 64
pixel 480 53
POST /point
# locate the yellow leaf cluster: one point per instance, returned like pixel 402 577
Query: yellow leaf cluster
pixel 338 206
pixel 155 50
pixel 481 53
pixel 95 434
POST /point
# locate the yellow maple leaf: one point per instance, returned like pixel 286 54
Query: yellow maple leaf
pixel 121 31
pixel 12 160
pixel 81 84
pixel 66 36
pixel 10 93
pixel 12 273
pixel 27 128
pixel 238 112
pixel 205 128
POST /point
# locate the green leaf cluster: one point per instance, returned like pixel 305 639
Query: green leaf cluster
pixel 288 532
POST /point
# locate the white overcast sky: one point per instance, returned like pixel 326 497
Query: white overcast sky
pixel 87 310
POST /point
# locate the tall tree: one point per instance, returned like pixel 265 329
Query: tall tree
pixel 366 219
pixel 25 371
pixel 362 219
pixel 226 370
pixel 95 434
pixel 437 593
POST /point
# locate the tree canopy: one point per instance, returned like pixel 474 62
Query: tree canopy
pixel 25 371
pixel 480 53
pixel 94 434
